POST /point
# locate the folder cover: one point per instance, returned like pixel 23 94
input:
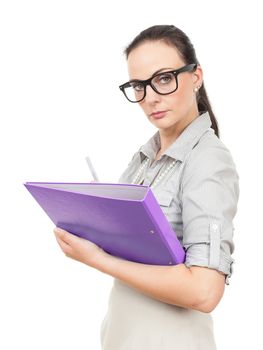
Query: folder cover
pixel 125 220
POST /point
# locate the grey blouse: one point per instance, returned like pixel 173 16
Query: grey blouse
pixel 199 197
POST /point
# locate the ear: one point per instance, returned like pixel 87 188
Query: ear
pixel 198 76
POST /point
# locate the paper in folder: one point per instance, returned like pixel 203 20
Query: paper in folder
pixel 125 220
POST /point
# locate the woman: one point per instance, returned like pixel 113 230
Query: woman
pixel 194 179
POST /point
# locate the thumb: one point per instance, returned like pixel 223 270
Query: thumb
pixel 63 235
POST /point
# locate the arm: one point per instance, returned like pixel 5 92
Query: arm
pixel 197 288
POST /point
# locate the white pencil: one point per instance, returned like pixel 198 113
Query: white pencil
pixel 92 170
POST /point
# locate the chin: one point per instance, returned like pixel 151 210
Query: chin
pixel 164 124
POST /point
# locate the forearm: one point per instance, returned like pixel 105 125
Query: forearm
pixel 175 284
pixel 195 287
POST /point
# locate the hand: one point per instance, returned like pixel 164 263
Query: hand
pixel 78 248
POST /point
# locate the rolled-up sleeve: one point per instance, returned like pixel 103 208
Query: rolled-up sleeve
pixel 209 194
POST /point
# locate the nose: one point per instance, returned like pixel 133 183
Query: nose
pixel 151 95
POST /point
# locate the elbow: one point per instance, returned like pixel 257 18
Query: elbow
pixel 207 307
pixel 209 288
pixel 208 302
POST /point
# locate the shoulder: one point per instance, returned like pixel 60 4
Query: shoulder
pixel 208 157
pixel 210 146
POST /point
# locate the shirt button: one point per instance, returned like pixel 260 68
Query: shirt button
pixel 214 227
pixel 146 182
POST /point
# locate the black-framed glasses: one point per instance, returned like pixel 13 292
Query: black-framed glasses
pixel 164 83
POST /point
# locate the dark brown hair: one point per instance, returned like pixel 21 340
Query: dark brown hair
pixel 173 36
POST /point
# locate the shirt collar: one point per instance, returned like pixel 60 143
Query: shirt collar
pixel 183 144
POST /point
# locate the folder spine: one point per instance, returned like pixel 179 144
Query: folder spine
pixel 170 239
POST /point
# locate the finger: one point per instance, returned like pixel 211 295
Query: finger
pixel 66 248
pixel 63 235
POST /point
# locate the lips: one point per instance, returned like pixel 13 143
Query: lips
pixel 158 114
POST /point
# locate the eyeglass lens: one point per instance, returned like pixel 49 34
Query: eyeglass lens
pixel 164 83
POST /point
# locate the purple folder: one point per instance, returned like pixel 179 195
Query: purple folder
pixel 125 220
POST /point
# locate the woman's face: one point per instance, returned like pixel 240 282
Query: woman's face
pixel 180 107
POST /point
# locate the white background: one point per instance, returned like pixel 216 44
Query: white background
pixel 60 66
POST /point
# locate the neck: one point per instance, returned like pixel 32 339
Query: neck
pixel 169 135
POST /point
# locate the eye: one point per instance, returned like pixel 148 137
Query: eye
pixel 164 78
pixel 137 86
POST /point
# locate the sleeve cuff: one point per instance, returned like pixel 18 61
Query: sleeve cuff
pixel 202 254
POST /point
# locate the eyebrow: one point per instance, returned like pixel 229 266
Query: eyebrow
pixel 158 71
